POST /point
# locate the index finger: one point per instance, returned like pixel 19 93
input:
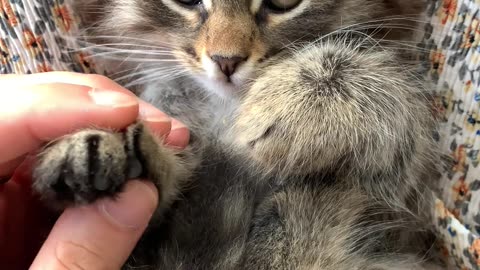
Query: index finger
pixel 30 116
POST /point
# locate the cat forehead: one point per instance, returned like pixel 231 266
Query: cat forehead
pixel 232 4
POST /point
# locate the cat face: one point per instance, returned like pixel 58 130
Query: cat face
pixel 224 43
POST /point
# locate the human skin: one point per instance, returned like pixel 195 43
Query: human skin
pixel 38 108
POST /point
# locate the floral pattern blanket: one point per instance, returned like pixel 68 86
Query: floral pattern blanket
pixel 450 48
pixel 38 36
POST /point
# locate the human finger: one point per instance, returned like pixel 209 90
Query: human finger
pixel 101 235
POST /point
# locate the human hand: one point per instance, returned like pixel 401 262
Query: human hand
pixel 38 108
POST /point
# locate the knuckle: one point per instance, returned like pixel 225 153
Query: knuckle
pixel 73 256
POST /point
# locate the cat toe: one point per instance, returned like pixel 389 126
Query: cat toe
pixel 82 168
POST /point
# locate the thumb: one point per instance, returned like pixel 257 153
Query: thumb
pixel 101 235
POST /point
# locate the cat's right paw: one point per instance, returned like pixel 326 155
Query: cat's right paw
pixel 81 168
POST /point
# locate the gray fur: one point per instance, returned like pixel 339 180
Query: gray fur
pixel 322 160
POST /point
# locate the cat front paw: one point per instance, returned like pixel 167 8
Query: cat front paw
pixel 332 107
pixel 88 165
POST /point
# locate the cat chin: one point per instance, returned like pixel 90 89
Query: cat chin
pixel 222 88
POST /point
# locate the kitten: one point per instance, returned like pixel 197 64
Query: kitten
pixel 311 136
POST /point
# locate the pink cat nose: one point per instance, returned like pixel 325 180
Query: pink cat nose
pixel 228 64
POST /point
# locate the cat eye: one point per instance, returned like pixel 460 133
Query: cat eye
pixel 190 2
pixel 281 5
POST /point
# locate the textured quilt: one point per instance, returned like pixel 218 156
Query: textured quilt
pixel 34 35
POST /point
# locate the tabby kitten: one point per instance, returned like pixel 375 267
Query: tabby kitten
pixel 311 137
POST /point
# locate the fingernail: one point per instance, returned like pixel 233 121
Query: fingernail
pixel 111 98
pixel 158 122
pixel 177 124
pixel 155 118
pixel 150 113
pixel 134 207
pixel 179 136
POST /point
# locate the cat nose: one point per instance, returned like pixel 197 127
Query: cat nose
pixel 228 64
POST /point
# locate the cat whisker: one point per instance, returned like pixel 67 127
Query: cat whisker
pixel 155 74
pixel 88 45
pixel 137 53
pixel 148 71
pixel 127 38
pixel 130 58
pixel 129 70
pixel 394 18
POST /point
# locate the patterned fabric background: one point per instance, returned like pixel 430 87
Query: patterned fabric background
pixel 452 54
pixel 35 35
